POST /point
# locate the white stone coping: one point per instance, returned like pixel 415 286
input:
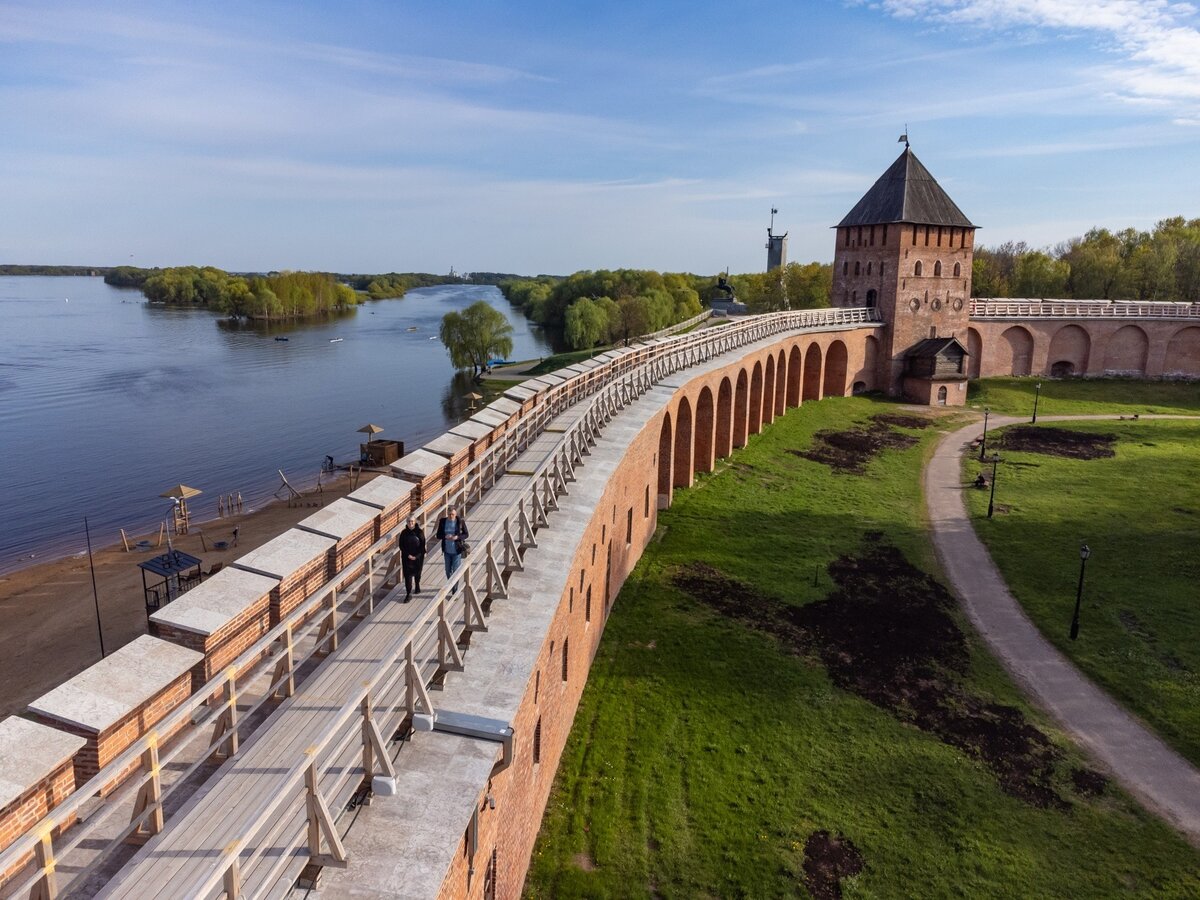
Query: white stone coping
pixel 418 465
pixel 505 406
pixel 283 556
pixel 537 385
pixel 448 444
pixel 521 393
pixel 215 602
pixel 383 492
pixel 590 363
pixel 578 368
pixel 551 379
pixel 29 752
pixel 491 418
pixel 103 694
pixel 339 519
pixel 471 429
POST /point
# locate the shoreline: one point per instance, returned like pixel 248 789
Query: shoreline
pixel 50 614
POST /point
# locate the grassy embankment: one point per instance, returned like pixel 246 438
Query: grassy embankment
pixel 717 740
pixel 1084 396
pixel 1139 513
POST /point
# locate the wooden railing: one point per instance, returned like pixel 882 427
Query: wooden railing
pixel 623 375
pixel 1081 309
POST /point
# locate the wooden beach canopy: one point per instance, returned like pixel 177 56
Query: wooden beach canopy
pixel 370 431
pixel 182 492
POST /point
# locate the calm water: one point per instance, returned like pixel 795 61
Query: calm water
pixel 106 402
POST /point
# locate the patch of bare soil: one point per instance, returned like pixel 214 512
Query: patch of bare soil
pixel 849 452
pixel 1088 783
pixel 827 860
pixel 585 862
pixel 887 634
pixel 1058 442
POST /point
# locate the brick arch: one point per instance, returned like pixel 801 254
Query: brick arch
pixel 754 421
pixel 794 371
pixel 1125 352
pixel 835 370
pixel 741 406
pixel 780 385
pixel 681 465
pixel 974 352
pixel 705 420
pixel 1069 351
pixel 1015 351
pixel 812 373
pixel 724 429
pixel 665 456
pixel 768 407
pixel 1183 353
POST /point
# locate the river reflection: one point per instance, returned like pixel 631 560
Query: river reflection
pixel 105 401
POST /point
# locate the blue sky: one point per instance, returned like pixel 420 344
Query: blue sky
pixel 550 137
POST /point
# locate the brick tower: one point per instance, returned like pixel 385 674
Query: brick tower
pixel 906 248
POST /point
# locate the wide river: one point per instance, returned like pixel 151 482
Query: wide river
pixel 106 402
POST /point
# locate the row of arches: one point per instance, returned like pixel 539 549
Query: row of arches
pixel 1073 350
pixel 709 422
pixel 919 268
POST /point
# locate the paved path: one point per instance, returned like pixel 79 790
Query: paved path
pixel 1157 775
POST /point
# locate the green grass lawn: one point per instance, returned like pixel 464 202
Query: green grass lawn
pixel 1081 396
pixel 1139 512
pixel 706 752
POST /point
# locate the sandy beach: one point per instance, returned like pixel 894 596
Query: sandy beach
pixel 49 614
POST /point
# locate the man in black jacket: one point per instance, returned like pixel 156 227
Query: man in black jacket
pixel 412 556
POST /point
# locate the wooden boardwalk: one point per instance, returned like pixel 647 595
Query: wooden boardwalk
pixel 195 856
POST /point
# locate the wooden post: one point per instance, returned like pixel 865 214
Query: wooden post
pixel 227 721
pixel 320 823
pixel 286 665
pixel 124 540
pixel 46 887
pixel 149 794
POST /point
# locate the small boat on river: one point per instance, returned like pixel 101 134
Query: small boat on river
pixel 282 339
pixel 336 340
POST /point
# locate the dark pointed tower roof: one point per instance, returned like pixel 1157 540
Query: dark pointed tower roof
pixel 906 192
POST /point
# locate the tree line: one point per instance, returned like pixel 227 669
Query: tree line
pixel 604 307
pixel 1160 264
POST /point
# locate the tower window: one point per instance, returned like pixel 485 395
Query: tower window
pixel 939 235
pixel 857 269
pixel 937 269
pixel 860 235
pixel 868 268
pixel 914 235
pixel 537 741
pixel 846 232
pixel 565 658
pixel 926 235
pixel 917 268
pixel 854 299
pixel 957 269
pixel 872 235
pixel 846 268
pixel 881 265
pixel 885 235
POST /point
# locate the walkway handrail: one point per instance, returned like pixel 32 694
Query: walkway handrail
pixel 1082 309
pixel 621 375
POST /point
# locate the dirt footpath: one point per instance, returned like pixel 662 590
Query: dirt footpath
pixel 49 629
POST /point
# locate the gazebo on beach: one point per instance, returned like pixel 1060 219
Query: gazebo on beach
pixel 179 571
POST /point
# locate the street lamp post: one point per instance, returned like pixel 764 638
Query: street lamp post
pixel 1037 395
pixel 1084 553
pixel 983 443
pixel 992 498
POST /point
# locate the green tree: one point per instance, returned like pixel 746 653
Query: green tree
pixel 475 335
pixel 1039 275
pixel 586 324
pixel 808 286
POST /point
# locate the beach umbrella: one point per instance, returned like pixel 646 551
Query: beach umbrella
pixel 370 431
pixel 474 397
pixel 181 492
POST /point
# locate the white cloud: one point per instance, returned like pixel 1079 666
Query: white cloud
pixel 1157 40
